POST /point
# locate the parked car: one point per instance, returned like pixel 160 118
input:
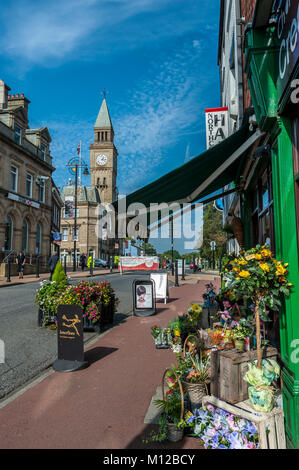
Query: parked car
pixel 100 263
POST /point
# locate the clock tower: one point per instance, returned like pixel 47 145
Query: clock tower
pixel 103 156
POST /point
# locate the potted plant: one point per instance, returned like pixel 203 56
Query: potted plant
pixel 171 421
pixel 161 337
pixel 258 276
pixel 46 299
pixel 196 378
pixel 240 334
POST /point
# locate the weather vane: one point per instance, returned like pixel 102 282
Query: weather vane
pixel 104 92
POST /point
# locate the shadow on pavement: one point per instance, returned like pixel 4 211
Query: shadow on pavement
pixel 95 354
pixel 185 443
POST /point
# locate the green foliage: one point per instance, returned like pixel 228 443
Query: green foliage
pixel 213 231
pixel 168 254
pixel 59 274
pixel 149 249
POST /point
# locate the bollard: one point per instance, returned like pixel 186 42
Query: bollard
pixel 183 270
pixel 64 267
pixel 176 275
pixel 8 270
pixel 37 266
pixel 194 268
pixel 110 263
pixel 91 267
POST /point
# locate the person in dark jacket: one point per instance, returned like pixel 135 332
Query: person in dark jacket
pixel 20 260
pixel 82 261
pixel 52 264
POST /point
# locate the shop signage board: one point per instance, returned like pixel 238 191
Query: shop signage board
pixel 144 298
pixel 139 263
pixel 180 267
pixel 23 200
pixel 161 285
pixel 216 125
pixel 56 237
pixel 70 339
pixel 287 31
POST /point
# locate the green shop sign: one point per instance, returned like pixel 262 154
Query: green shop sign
pixel 288 37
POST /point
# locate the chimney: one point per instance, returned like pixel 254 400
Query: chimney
pixel 14 101
pixel 4 89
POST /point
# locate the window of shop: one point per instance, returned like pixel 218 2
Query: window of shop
pixel 8 233
pixel 13 179
pixel 28 185
pixel 262 210
pixel 38 239
pixel 65 235
pixel 25 230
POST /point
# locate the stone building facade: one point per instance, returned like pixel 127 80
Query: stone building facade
pixel 25 183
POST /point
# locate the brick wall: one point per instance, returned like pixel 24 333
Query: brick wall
pixel 247 10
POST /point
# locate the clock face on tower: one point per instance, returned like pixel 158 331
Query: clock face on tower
pixel 101 159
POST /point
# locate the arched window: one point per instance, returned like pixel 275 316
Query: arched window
pixel 8 233
pixel 25 230
pixel 38 239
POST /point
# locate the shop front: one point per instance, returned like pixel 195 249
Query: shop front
pixel 270 202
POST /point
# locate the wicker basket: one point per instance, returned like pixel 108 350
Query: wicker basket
pixel 174 434
pixel 196 392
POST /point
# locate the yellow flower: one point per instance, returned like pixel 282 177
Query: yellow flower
pixel 290 284
pixel 243 262
pixel 177 333
pixel 280 270
pixel 244 274
pixel 258 257
pixel 264 267
pixel 249 257
pixel 266 253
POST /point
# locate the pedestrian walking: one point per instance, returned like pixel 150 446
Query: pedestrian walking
pixel 20 260
pixel 82 261
pixel 52 264
pixel 89 261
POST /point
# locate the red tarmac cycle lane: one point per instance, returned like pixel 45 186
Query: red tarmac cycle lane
pixel 103 406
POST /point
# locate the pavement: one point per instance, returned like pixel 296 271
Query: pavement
pixel 105 405
pixel 29 278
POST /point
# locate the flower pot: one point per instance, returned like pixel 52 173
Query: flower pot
pixel 174 434
pixel 90 325
pixel 239 344
pixel 262 398
pixel 162 342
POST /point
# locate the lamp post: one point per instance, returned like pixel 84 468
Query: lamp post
pixel 73 165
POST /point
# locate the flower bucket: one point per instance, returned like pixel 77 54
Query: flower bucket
pixel 262 398
pixel 174 434
pixel 239 344
pixel 162 342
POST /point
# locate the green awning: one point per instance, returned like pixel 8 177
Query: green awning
pixel 201 176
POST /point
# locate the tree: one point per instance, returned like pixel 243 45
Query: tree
pixel 59 274
pixel 213 231
pixel 149 249
pixel 168 254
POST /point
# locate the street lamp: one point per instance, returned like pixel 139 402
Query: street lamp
pixel 73 165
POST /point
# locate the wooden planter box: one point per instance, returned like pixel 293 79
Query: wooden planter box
pixel 228 368
pixel 270 426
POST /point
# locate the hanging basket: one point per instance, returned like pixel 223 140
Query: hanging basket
pixel 174 434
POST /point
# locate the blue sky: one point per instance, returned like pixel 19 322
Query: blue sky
pixel 157 59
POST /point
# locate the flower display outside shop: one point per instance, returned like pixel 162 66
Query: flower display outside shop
pixel 218 429
pixel 258 276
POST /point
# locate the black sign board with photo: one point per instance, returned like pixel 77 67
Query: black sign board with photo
pixel 144 298
pixel 70 339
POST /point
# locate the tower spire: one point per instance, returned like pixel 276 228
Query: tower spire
pixel 103 119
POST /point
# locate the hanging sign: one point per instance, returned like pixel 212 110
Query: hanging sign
pixel 216 125
pixel 144 298
pixel 287 31
pixel 161 285
pixel 68 207
pixel 70 339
